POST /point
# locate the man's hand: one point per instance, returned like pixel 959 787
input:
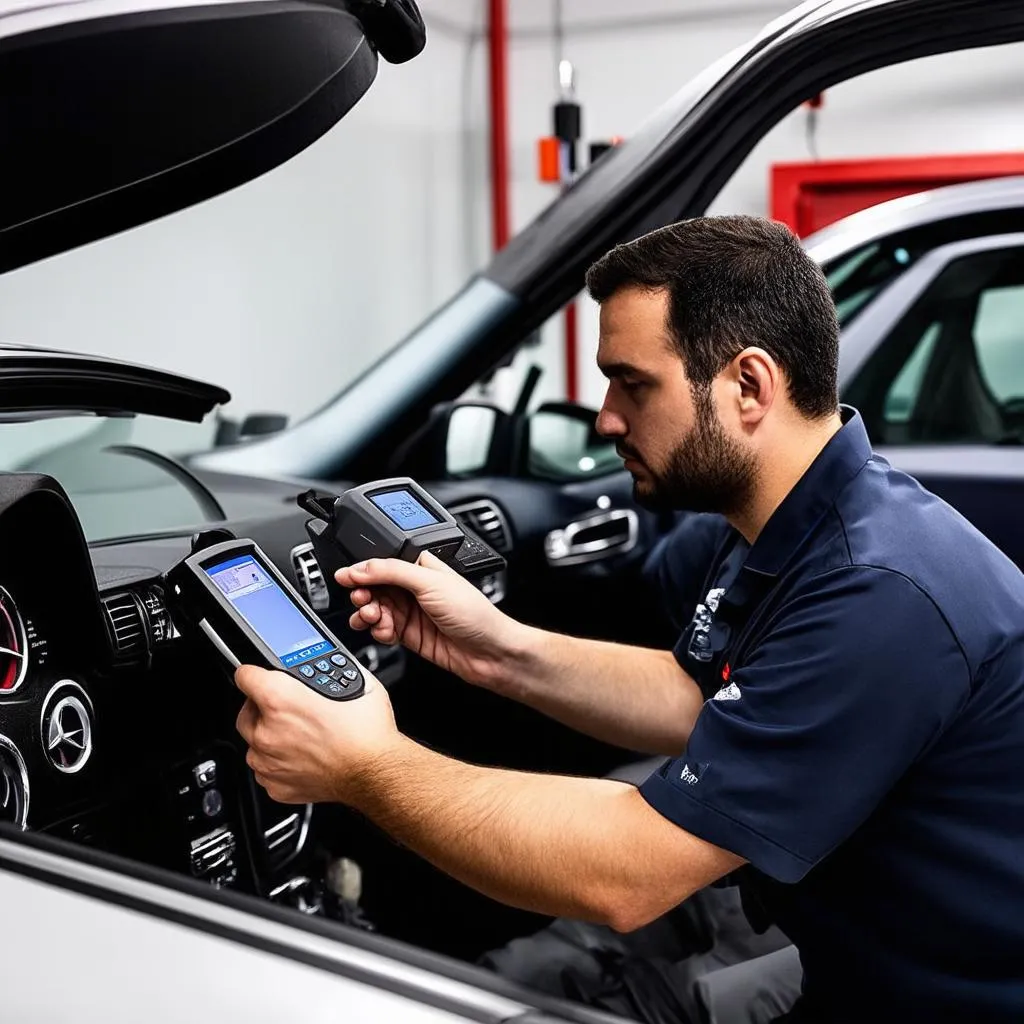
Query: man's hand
pixel 434 612
pixel 304 748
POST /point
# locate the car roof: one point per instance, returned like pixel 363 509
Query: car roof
pixel 912 211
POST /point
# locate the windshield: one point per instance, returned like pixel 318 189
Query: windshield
pixel 110 468
pixel 284 289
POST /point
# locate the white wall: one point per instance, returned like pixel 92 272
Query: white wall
pixel 286 287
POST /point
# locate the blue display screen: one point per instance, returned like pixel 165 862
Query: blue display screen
pixel 404 510
pixel 275 617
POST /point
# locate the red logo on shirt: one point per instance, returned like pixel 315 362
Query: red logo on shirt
pixel 726 671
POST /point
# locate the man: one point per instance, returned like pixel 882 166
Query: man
pixel 845 710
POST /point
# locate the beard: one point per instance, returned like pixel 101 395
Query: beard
pixel 707 471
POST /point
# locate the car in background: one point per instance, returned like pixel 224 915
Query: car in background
pixel 930 294
pixel 116 859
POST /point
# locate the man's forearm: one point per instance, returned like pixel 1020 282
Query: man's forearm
pixel 590 849
pixel 634 697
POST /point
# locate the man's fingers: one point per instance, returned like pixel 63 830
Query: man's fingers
pixel 431 561
pixel 255 682
pixel 246 721
pixel 269 691
pixel 371 613
pixel 381 625
pixel 385 631
pixel 392 572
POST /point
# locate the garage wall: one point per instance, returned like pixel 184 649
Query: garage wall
pixel 631 57
pixel 286 287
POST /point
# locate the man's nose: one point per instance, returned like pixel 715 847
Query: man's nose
pixel 610 423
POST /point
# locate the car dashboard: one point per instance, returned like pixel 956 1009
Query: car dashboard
pixel 115 731
pixel 118 733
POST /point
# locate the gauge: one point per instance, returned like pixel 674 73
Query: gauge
pixel 13 784
pixel 13 645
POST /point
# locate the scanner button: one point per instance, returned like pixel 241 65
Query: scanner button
pixel 339 659
pixel 308 671
pixel 324 681
pixel 350 674
pixel 323 665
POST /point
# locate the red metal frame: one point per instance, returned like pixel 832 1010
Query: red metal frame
pixel 497 37
pixel 808 196
pixel 572 369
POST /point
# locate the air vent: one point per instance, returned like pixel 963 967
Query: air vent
pixel 311 580
pixel 161 626
pixel 125 623
pixel 486 520
pixel 285 840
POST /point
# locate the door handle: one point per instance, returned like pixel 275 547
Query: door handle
pixel 594 537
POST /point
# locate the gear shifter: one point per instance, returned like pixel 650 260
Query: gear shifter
pixel 344 880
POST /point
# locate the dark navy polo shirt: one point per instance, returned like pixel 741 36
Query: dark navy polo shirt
pixel 862 740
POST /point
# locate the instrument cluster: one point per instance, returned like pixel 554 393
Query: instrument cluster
pixel 64 727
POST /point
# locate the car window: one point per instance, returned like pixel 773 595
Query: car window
pixel 110 469
pixel 859 275
pixel 951 371
pixel 899 400
pixel 998 336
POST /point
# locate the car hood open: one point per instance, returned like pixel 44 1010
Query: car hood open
pixel 115 112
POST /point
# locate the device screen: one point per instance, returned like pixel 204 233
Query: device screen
pixel 275 617
pixel 404 510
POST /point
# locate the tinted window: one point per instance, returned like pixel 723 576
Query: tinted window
pixel 998 334
pixel 952 369
pixel 859 275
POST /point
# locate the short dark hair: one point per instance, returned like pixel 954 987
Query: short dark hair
pixel 734 282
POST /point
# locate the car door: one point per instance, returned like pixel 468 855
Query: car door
pixel 95 939
pixel 936 367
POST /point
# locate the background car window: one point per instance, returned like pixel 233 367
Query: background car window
pixel 857 276
pixel 952 369
pixel 999 338
pixel 899 402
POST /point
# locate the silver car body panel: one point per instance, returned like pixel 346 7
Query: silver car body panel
pixel 885 219
pixel 169 955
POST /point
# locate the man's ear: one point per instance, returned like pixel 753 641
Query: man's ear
pixel 760 381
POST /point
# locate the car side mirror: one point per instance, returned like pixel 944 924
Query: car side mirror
pixel 258 424
pixel 562 443
pixel 459 439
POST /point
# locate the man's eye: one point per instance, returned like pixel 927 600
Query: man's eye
pixel 632 386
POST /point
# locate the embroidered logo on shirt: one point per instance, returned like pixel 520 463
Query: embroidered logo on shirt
pixel 688 776
pixel 699 647
pixel 730 692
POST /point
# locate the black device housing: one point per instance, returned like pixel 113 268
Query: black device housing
pixel 350 528
pixel 199 607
